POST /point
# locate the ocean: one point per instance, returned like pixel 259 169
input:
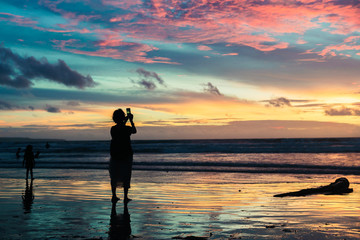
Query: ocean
pixel 303 156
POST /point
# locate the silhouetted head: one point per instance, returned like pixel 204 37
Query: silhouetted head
pixel 29 148
pixel 119 116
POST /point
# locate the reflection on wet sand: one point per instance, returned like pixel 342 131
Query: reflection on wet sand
pixel 120 227
pixel 178 205
pixel 28 197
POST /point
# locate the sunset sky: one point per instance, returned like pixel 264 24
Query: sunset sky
pixel 188 69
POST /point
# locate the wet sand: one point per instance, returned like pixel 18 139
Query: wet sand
pixel 75 204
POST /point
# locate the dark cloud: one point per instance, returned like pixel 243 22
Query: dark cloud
pixel 13 81
pixel 19 72
pixel 209 88
pixel 279 102
pixel 343 111
pixel 147 74
pixel 346 2
pixel 73 103
pixel 8 106
pixel 147 79
pixel 147 84
pixel 299 103
pixel 119 96
pixel 311 105
pixel 52 109
pixel 332 15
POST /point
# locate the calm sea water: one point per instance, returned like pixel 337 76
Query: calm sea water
pixel 306 156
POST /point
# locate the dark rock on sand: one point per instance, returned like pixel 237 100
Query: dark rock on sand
pixel 340 186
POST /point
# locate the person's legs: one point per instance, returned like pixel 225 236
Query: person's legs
pixel 31 173
pixel 126 191
pixel 113 190
pixel 27 173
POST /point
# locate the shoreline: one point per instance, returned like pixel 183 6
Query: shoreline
pixel 312 170
pixel 75 204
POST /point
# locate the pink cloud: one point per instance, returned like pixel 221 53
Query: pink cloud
pixel 349 44
pixel 122 4
pixel 218 22
pixel 204 48
pixel 301 41
pixel 124 17
pixel 21 20
pixel 111 43
pixel 235 22
pixel 342 19
pixel 128 51
pixel 24 21
pixel 352 39
pixel 259 25
pixel 230 54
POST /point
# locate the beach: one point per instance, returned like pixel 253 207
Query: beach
pixel 75 204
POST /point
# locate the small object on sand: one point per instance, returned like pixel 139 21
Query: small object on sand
pixel 340 186
pixel 270 226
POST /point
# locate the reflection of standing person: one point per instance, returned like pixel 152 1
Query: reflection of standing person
pixel 28 197
pixel 120 227
pixel 121 153
pixel 29 161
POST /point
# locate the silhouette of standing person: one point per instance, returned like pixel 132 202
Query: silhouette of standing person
pixel 121 153
pixel 29 161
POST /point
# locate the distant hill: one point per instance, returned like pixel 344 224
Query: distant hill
pixel 15 139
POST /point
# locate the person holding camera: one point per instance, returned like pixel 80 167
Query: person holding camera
pixel 121 152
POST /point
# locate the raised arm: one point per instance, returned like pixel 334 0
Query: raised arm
pixel 133 128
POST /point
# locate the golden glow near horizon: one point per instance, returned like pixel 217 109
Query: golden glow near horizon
pixel 216 110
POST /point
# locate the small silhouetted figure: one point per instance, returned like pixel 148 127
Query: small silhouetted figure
pixel 120 227
pixel 37 155
pixel 121 153
pixel 29 161
pixel 47 145
pixel 340 186
pixel 28 197
pixel 18 153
